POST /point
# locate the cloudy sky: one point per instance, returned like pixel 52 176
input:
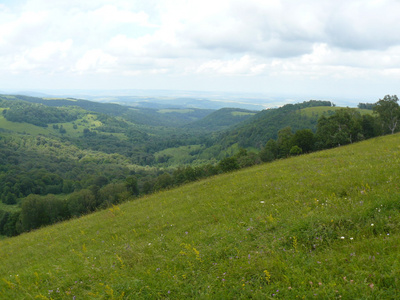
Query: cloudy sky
pixel 319 48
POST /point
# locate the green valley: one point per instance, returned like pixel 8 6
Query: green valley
pixel 63 158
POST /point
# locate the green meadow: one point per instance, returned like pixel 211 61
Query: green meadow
pixel 328 110
pixel 20 127
pixel 242 113
pixel 318 226
pixel 88 121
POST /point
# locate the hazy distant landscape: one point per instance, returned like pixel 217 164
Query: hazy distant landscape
pixel 187 99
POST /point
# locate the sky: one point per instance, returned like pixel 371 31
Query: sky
pixel 325 49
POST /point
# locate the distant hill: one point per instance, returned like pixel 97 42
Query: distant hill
pixel 323 225
pixel 258 129
pixel 137 115
pixel 222 119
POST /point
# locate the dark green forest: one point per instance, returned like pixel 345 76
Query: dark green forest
pixel 63 158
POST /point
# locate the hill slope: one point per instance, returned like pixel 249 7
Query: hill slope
pixel 222 119
pixel 258 129
pixel 324 225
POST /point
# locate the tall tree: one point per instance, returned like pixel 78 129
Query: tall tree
pixel 285 141
pixel 389 112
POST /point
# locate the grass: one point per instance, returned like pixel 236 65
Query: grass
pixel 21 127
pixel 88 121
pixel 9 208
pixel 242 113
pixel 182 155
pixel 322 226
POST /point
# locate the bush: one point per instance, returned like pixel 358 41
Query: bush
pixel 228 164
pixel 295 150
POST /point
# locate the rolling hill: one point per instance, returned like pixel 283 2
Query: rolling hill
pixel 136 115
pixel 222 119
pixel 323 225
pixel 259 128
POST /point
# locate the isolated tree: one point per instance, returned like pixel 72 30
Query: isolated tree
pixel 389 112
pixel 295 150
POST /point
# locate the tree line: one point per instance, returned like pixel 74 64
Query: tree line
pixel 344 127
pixel 39 210
pixel 37 114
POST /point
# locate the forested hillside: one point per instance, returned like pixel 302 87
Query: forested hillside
pixel 139 116
pixel 257 130
pixel 222 119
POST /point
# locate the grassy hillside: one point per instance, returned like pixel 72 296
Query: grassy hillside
pixel 324 226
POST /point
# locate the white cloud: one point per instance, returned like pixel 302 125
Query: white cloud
pixel 364 24
pixel 95 61
pixel 280 39
pixel 50 50
pixel 243 66
pixel 111 14
pixel 22 30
